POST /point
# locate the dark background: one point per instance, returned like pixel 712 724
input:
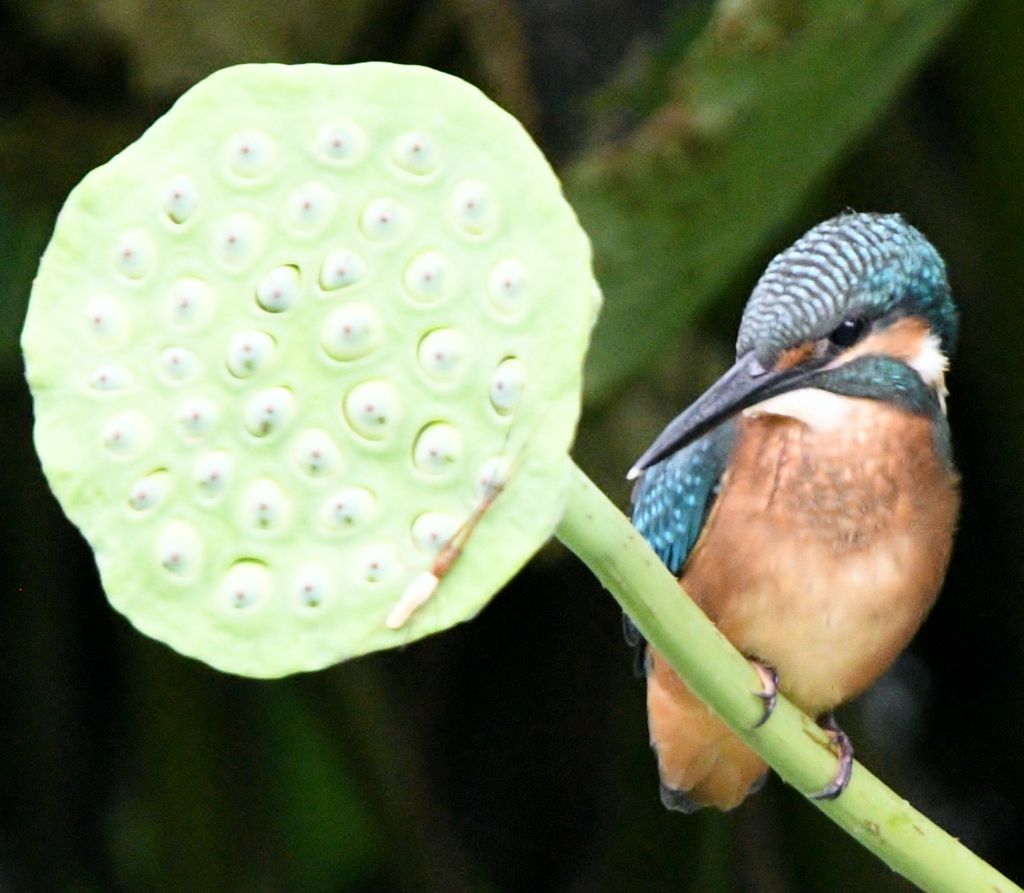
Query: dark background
pixel 510 754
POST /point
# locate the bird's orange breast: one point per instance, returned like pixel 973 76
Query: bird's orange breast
pixel 821 557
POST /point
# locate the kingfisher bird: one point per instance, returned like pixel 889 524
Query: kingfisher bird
pixel 807 501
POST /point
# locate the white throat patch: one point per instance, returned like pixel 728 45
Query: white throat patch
pixel 819 410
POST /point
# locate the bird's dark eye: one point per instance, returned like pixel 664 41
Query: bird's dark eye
pixel 847 333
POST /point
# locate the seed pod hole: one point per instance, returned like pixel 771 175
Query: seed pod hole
pixel 149 491
pixel 312 585
pixel 134 254
pixel 265 505
pixel 267 412
pixel 315 453
pixel 507 385
pixel 179 198
pixel 178 364
pixel 250 153
pixel 351 332
pixel 179 550
pixel 473 206
pixel 341 268
pixel 508 287
pixel 348 509
pixel 383 219
pixel 249 352
pixel 246 584
pixel 442 354
pixel 212 472
pixel 431 530
pixel 341 142
pixel 377 562
pixel 437 448
pixel 189 303
pixel 373 408
pixel 415 152
pixel 237 239
pixel 310 207
pixel 111 377
pixel 195 417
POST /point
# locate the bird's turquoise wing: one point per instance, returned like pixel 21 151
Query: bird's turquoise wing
pixel 672 500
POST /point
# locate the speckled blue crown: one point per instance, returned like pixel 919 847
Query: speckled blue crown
pixel 854 265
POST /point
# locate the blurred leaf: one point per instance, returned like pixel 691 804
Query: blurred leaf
pixel 179 824
pixel 170 46
pixel 326 835
pixel 761 106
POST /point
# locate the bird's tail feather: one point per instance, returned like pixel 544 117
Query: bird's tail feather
pixel 701 761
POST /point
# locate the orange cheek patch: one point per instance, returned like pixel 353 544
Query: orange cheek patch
pixel 901 340
pixel 794 356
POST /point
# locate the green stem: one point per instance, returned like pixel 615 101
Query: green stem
pixel 790 741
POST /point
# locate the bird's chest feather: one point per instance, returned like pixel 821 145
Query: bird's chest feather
pixel 826 548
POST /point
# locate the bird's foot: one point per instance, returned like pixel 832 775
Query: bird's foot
pixel 844 749
pixel 769 689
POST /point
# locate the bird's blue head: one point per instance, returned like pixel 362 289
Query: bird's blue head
pixel 860 305
pixel 852 269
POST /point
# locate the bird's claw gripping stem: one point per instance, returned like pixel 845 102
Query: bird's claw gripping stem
pixel 769 689
pixel 844 750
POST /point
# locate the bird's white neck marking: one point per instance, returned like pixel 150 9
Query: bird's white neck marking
pixel 931 364
pixel 823 411
pixel 819 410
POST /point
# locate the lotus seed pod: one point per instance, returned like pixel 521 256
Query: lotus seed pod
pixel 314 339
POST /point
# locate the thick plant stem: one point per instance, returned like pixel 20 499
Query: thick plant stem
pixel 790 741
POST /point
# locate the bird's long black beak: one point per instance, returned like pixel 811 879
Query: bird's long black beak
pixel 745 384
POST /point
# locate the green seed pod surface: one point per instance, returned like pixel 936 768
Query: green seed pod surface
pixel 306 362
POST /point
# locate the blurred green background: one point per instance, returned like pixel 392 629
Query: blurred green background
pixel 695 139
